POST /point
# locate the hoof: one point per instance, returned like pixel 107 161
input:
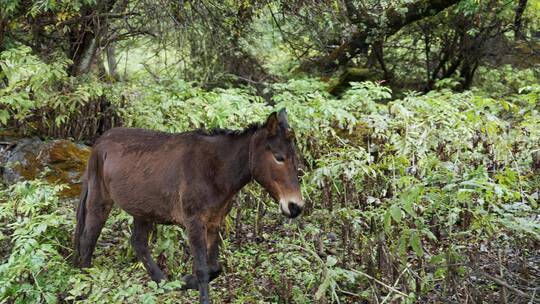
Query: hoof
pixel 158 277
pixel 81 264
pixel 190 282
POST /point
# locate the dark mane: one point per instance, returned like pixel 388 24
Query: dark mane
pixel 218 131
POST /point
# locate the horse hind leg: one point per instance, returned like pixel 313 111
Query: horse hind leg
pixel 139 240
pixel 97 209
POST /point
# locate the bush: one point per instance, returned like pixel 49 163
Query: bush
pixel 41 99
pixel 37 233
pixel 405 199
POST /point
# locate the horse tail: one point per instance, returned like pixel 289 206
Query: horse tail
pixel 81 217
pixel 81 209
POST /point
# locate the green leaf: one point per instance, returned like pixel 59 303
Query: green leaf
pixel 331 261
pixel 387 223
pixel 395 211
pixel 416 244
pixel 321 291
pixel 402 243
pixel 4 116
pixel 50 297
pixel 408 207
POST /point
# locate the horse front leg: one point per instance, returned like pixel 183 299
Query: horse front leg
pixel 212 244
pixel 197 239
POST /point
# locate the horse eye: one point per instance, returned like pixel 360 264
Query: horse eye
pixel 279 158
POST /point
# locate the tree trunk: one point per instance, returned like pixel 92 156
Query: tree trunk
pixel 111 62
pixel 467 73
pixel 378 50
pixel 87 37
pixel 518 35
pixel 83 53
pixel 99 62
pixel 3 24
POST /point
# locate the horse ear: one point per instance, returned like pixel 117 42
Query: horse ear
pixel 272 123
pixel 283 119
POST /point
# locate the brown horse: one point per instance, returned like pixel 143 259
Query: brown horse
pixel 188 179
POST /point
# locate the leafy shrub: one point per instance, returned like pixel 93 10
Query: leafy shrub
pixel 399 194
pixel 37 228
pixel 40 98
pixel 177 106
pixel 406 175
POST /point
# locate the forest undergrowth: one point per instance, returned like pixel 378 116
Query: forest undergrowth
pixel 429 198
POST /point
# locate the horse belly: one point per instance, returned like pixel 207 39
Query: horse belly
pixel 143 190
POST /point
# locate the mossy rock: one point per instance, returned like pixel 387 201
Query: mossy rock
pixel 58 161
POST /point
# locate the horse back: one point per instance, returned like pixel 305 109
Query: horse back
pixel 144 171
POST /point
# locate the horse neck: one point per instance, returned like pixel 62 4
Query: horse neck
pixel 236 160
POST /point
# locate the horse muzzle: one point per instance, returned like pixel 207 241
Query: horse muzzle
pixel 291 209
pixel 294 210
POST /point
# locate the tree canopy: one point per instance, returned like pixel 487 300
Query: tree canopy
pixel 213 41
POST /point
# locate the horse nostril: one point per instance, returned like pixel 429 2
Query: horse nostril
pixel 294 210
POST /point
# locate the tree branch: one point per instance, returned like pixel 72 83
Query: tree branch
pixel 393 19
pixel 502 283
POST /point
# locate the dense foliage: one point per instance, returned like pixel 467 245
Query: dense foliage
pixel 404 199
pixel 420 158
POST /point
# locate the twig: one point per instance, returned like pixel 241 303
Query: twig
pixel 380 282
pixel 348 292
pixel 283 34
pixel 396 282
pixel 149 70
pixel 502 283
pixel 375 293
pixel 501 273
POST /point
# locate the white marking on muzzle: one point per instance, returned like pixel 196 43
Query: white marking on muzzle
pixel 284 203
